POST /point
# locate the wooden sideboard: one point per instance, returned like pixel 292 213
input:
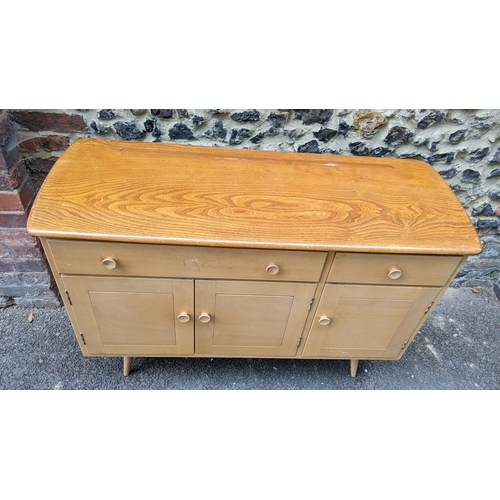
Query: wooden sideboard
pixel 176 250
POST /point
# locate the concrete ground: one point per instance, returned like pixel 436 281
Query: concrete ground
pixel 457 349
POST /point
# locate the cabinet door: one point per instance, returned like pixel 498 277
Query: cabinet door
pixel 251 318
pixel 356 321
pixel 133 316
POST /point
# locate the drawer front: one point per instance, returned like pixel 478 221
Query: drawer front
pixel 131 259
pixel 393 269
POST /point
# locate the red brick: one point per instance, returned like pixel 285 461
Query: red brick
pixel 4 251
pixel 17 237
pixel 54 142
pixel 19 199
pixel 28 146
pixel 22 265
pixel 27 193
pixel 14 219
pixel 11 201
pixel 56 122
pixel 25 252
pixel 7 266
pixel 35 265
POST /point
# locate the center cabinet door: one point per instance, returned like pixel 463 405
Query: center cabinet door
pixel 245 318
pixel 133 316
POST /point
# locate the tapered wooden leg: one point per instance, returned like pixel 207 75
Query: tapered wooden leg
pixel 127 362
pixel 354 367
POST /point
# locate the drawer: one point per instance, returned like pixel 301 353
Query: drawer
pixel 393 269
pixel 176 261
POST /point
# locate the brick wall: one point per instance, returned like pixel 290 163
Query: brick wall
pixel 462 145
pixel 25 277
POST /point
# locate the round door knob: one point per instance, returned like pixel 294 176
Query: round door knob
pixel 109 263
pixel 272 269
pixel 324 320
pixel 395 273
pixel 204 317
pixel 183 317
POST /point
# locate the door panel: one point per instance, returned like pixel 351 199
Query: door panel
pixel 367 321
pixel 251 318
pixel 133 316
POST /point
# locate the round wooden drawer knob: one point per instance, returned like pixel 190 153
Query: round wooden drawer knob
pixel 109 263
pixel 395 273
pixel 272 269
pixel 183 317
pixel 204 317
pixel 324 320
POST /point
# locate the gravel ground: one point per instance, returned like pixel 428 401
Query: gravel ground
pixel 456 349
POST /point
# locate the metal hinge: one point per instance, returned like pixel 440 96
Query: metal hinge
pixel 69 298
pixel 310 304
pixel 300 340
pixel 83 339
pixel 430 305
pixel 404 345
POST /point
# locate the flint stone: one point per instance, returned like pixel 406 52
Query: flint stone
pixel 310 116
pixel 478 154
pixel 484 209
pixel 180 131
pixel 496 157
pixel 380 151
pixel 359 149
pixel 258 138
pixel 325 134
pixel 449 173
pixel 152 126
pixel 238 135
pixel 482 123
pixel 198 120
pixel 100 129
pixel 343 127
pixel 309 147
pixel 128 130
pixel 430 119
pixel 367 122
pixel 439 158
pixel 294 133
pixel 470 175
pixel 251 115
pixel 106 114
pixel 494 173
pixel 217 131
pixel 277 120
pixel 398 135
pixel 487 223
pixel 494 195
pixel 457 136
pixel 163 113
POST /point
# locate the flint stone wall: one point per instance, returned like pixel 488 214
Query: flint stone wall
pixel 462 145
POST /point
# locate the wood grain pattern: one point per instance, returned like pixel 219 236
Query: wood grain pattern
pixel 174 261
pixel 185 195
